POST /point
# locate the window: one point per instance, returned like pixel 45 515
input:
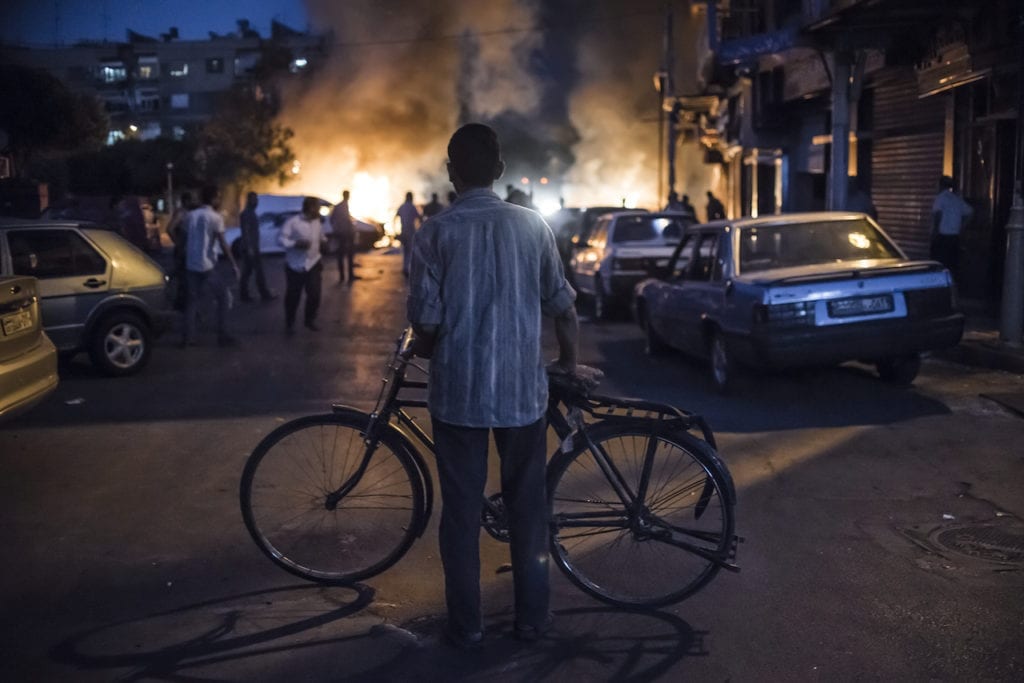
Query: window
pixel 684 258
pixel 149 68
pixel 802 244
pixel 113 72
pixel 114 136
pixel 706 266
pixel 53 253
pixel 177 69
pixel 179 101
pixel 215 65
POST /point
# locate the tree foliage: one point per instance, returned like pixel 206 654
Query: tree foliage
pixel 243 142
pixel 42 116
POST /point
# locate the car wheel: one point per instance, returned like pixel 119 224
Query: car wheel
pixel 121 344
pixel 900 370
pixel 723 365
pixel 655 345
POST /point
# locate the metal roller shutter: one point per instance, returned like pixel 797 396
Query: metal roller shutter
pixel 906 161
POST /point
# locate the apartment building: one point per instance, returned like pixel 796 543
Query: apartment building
pixel 160 86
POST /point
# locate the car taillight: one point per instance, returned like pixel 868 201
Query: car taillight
pixel 785 315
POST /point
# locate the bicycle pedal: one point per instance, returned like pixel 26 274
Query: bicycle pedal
pixel 503 569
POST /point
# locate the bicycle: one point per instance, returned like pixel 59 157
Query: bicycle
pixel 641 509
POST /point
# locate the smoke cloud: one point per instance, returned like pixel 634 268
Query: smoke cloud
pixel 567 84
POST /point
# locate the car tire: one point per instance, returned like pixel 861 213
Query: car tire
pixel 121 344
pixel 655 345
pixel 721 363
pixel 901 370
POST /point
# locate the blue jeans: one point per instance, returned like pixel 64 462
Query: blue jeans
pixel 198 282
pixel 462 473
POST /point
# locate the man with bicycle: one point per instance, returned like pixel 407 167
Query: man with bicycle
pixel 482 275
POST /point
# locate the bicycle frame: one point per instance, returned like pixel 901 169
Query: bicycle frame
pixel 568 425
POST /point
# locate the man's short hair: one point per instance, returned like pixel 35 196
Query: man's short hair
pixel 946 183
pixel 475 153
pixel 209 194
pixel 310 205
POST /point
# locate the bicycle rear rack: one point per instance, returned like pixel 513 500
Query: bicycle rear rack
pixel 638 410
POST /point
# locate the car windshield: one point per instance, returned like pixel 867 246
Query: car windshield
pixel 809 243
pixel 646 228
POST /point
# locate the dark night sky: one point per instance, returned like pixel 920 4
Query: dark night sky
pixel 67 21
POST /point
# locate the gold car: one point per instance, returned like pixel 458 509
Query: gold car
pixel 28 359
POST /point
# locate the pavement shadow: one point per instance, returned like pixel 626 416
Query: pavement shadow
pixel 179 643
pixel 815 397
pixel 592 643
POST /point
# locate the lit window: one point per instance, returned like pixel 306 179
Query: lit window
pixel 114 135
pixel 179 101
pixel 298 64
pixel 178 69
pixel 113 73
pixel 178 133
pixel 149 68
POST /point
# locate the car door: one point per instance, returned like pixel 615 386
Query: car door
pixel 73 277
pixel 696 294
pixel 663 294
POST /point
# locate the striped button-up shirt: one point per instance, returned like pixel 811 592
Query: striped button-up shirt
pixel 484 272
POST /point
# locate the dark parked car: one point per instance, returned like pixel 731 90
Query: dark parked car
pixel 28 359
pixel 798 290
pixel 98 293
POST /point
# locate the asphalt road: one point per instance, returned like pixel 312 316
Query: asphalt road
pixel 126 557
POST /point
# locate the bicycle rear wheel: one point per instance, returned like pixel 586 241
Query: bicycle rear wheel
pixel 657 550
pixel 286 507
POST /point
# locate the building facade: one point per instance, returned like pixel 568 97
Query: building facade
pixel 823 104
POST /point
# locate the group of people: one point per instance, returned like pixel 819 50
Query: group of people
pixel 714 209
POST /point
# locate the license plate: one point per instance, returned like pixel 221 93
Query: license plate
pixel 862 305
pixel 16 322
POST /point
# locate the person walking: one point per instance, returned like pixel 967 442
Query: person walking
pixel 409 219
pixel 483 273
pixel 302 237
pixel 344 233
pixel 253 264
pixel 686 207
pixel 176 231
pixel 949 214
pixel 714 208
pixel 204 232
pixel 433 207
pixel 673 202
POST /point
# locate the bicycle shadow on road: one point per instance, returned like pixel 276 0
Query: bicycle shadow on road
pixel 247 635
pixel 592 644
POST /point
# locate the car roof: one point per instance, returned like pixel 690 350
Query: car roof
pixel 38 223
pixel 787 218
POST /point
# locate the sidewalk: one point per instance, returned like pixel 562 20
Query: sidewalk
pixel 981 347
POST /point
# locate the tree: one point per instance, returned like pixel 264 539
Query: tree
pixel 41 116
pixel 242 142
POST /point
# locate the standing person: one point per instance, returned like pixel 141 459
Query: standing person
pixel 204 232
pixel 302 237
pixel 714 208
pixel 410 217
pixel 344 231
pixel 949 214
pixel 673 202
pixel 483 273
pixel 176 230
pixel 250 225
pixel 687 207
pixel 433 207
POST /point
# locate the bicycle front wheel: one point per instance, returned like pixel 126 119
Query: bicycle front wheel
pixel 650 539
pixel 287 504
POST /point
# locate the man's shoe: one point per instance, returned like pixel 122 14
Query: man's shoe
pixel 531 634
pixel 464 641
pixel 226 341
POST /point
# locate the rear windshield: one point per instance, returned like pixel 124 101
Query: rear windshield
pixel 646 228
pixel 804 244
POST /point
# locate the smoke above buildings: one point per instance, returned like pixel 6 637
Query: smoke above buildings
pixel 567 84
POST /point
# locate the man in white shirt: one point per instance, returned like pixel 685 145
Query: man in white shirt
pixel 949 214
pixel 204 230
pixel 302 237
pixel 409 218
